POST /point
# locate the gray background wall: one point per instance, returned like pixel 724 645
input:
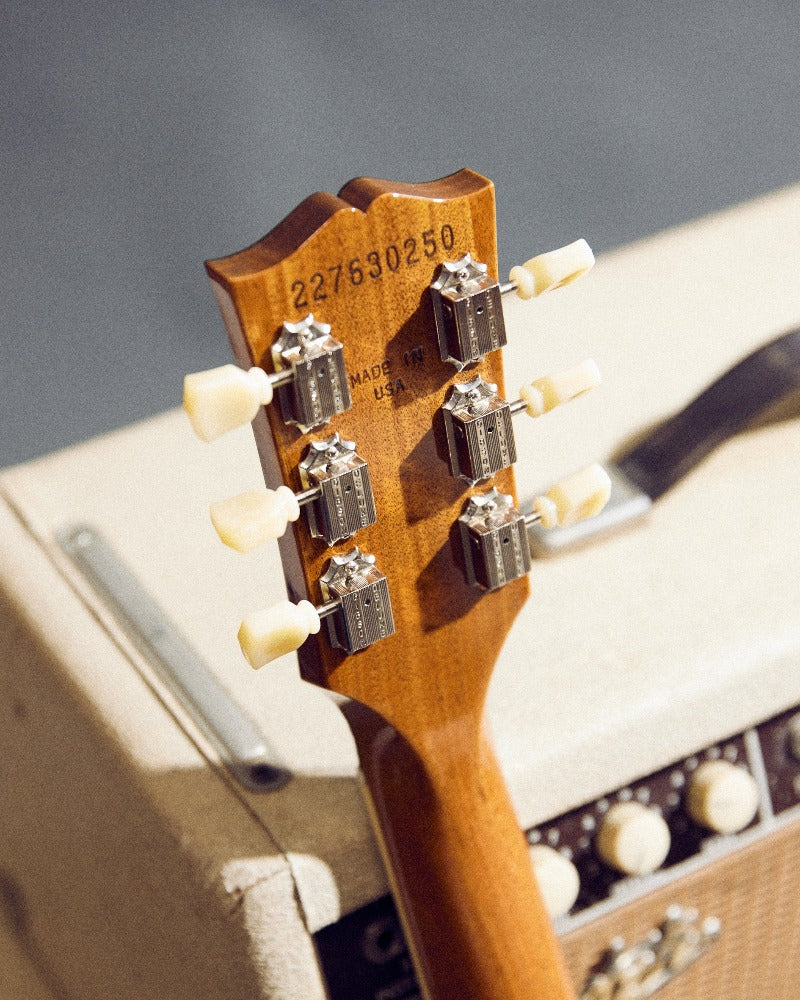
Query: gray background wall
pixel 139 139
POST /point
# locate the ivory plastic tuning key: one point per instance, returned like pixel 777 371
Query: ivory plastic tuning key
pixel 575 498
pixel 548 271
pixel 357 611
pixel 494 534
pixel 480 436
pixel 467 305
pixel 265 635
pixel 545 394
pixel 310 380
pixel 250 519
pixel 220 399
pixel 338 498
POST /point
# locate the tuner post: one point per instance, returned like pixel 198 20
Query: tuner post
pixel 357 610
pixel 480 436
pixel 310 380
pixel 467 306
pixel 338 498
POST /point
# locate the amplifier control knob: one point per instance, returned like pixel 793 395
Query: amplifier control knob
pixel 559 882
pixel 722 797
pixel 633 838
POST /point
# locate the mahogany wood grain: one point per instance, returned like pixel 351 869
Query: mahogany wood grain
pixel 363 262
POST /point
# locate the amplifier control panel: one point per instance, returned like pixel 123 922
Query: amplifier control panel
pixel 779 739
pixel 618 845
pixel 646 825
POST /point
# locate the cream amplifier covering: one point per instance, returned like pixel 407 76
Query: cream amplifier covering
pixel 174 825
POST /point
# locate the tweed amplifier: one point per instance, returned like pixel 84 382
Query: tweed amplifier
pixel 174 826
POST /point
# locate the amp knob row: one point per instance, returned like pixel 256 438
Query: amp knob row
pixel 634 839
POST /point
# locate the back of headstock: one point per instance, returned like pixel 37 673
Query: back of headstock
pixel 364 268
pixel 438 450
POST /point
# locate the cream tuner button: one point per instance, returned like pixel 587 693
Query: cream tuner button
pixel 722 797
pixel 547 393
pixel 552 270
pixel 559 882
pixel 250 519
pixel 581 495
pixel 633 838
pixel 220 399
pixel 266 635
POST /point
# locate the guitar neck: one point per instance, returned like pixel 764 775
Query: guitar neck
pixel 415 629
pixel 459 866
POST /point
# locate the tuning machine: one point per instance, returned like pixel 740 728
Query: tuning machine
pixel 494 534
pixel 480 436
pixel 309 377
pixel 338 498
pixel 467 305
pixel 357 611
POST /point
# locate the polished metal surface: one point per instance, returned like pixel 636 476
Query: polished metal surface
pixel 319 389
pixel 467 311
pixel 242 746
pixel 480 435
pixel 338 487
pixel 365 609
pixel 494 538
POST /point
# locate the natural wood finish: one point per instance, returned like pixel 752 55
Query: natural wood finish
pixel 459 867
pixel 452 843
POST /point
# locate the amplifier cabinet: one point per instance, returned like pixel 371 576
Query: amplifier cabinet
pixel 140 859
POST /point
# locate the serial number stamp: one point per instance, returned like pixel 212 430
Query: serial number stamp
pixel 374 265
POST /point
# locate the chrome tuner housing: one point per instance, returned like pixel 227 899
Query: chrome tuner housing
pixel 364 613
pixel 319 388
pixel 467 312
pixel 340 477
pixel 494 537
pixel 480 436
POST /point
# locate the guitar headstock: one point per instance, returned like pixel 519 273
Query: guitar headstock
pixel 342 287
